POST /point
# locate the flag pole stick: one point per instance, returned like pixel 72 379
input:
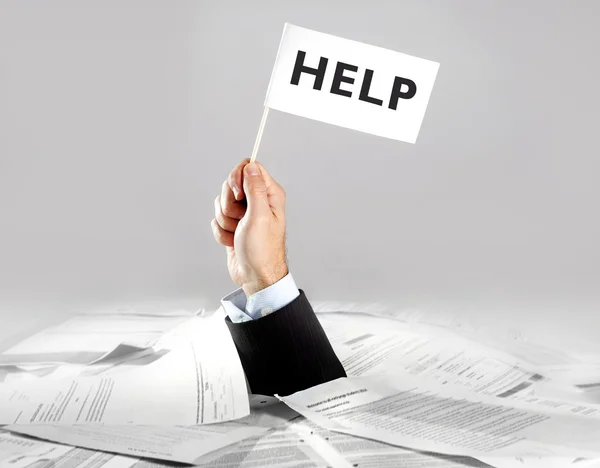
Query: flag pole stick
pixel 260 132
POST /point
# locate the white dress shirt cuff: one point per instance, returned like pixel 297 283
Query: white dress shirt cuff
pixel 264 302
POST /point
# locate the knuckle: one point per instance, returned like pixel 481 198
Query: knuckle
pixel 232 224
pixel 231 179
pixel 228 210
pixel 228 224
pixel 219 236
pixel 219 218
pixel 213 225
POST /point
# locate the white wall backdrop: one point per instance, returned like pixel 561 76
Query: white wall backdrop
pixel 120 119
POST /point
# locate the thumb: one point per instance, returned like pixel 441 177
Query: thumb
pixel 256 191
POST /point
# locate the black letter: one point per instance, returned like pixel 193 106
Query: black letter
pixel 338 78
pixel 397 93
pixel 300 68
pixel 364 89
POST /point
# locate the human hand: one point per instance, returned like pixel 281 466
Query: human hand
pixel 250 222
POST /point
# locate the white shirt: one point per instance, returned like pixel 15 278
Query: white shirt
pixel 266 301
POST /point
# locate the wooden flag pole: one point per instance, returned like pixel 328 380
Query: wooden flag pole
pixel 260 132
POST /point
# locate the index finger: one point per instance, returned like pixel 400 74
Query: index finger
pixel 230 207
pixel 235 179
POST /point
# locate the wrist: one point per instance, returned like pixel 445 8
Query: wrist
pixel 265 279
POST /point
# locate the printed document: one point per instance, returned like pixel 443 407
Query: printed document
pixel 446 419
pixel 200 381
pixel 38 454
pixel 378 346
pixel 186 444
pixel 85 339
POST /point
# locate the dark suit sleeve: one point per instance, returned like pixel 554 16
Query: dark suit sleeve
pixel 285 351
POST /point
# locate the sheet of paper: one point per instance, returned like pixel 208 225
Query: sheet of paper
pixel 33 453
pixel 508 338
pixel 199 381
pixel 298 445
pixel 378 346
pixel 184 444
pixel 302 444
pixel 84 339
pixel 533 351
pixel 557 406
pixel 446 420
pixel 282 448
pixel 572 372
pixel 365 453
pixel 14 444
pixel 292 446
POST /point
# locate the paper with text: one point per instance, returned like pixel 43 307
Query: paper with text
pixel 451 421
pixel 199 382
pixel 88 338
pixel 378 346
pixel 39 454
pixel 186 444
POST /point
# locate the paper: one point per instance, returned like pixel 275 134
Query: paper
pixel 378 346
pixel 13 444
pixel 199 382
pixel 350 84
pixel 302 444
pixel 282 448
pixel 534 353
pixel 38 454
pixel 444 420
pixel 366 453
pixel 85 339
pixel 565 376
pixel 184 444
pixel 298 445
pixel 553 405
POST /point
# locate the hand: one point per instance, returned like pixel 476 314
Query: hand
pixel 250 222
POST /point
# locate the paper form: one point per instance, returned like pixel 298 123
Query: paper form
pixel 199 382
pixel 530 351
pixel 569 375
pixel 14 444
pixel 184 444
pixel 452 421
pixel 572 374
pixel 302 444
pixel 376 346
pixel 89 338
pixel 366 453
pixel 38 454
pixel 281 448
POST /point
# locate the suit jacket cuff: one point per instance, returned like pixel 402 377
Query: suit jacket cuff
pixel 287 351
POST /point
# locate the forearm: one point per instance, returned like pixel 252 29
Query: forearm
pixel 285 351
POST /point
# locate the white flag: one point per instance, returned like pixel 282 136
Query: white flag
pixel 350 84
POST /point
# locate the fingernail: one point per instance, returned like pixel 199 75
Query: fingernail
pixel 235 192
pixel 252 169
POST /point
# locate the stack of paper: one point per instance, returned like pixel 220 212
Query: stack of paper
pixel 423 390
pixel 161 403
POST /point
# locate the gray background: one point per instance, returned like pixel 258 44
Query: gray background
pixel 120 119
